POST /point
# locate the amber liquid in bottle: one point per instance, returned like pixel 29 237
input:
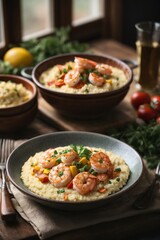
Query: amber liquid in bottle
pixel 148 60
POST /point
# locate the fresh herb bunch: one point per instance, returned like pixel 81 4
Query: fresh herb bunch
pixel 49 46
pixel 144 138
pixel 41 49
pixel 6 68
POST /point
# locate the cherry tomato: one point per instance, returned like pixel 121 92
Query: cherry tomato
pixel 158 120
pixel 146 112
pixel 138 98
pixel 155 101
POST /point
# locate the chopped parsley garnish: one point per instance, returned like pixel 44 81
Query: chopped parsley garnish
pixel 81 151
pixel 117 179
pixel 65 70
pixel 60 190
pixel 106 76
pixel 98 73
pixel 60 174
pixel 77 164
pixel 100 160
pixel 84 168
pixel 69 67
pixel 93 172
pixel 83 77
pixel 118 169
pixel 66 151
pixel 59 160
pixel 86 90
pixel 88 71
pixel 55 152
pixel 85 152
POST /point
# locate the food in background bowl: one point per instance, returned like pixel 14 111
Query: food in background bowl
pixel 18 103
pixel 17 95
pixel 75 173
pixel 13 94
pixel 82 106
pixel 83 76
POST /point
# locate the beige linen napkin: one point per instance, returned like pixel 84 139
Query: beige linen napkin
pixel 49 221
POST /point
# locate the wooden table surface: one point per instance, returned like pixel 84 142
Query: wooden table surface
pixel 131 228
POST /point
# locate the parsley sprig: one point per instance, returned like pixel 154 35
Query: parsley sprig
pixel 145 139
pixel 81 151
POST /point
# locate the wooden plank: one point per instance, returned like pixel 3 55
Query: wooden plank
pixel 123 229
pixel 17 230
pixel 114 49
pixel 120 116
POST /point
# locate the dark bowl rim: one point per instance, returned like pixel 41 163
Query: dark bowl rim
pixel 34 93
pixel 108 198
pixel 43 88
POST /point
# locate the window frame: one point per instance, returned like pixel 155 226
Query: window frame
pixel 45 32
pixel 62 16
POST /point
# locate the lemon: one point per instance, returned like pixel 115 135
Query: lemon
pixel 18 57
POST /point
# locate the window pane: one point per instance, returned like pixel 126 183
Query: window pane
pixel 36 18
pixel 87 10
pixel 1 26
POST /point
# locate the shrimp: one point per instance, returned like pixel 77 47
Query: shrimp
pixel 96 80
pixel 60 175
pixel 102 177
pixel 101 163
pixel 72 78
pixel 68 157
pixel 103 69
pixel 47 160
pixel 84 63
pixel 84 183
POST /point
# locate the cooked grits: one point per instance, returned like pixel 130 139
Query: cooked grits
pixel 13 94
pixel 83 82
pixel 37 177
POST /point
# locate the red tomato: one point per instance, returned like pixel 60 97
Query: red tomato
pixel 70 185
pixel 59 83
pixel 51 83
pixel 155 101
pixel 158 120
pixel 146 112
pixel 43 178
pixel 138 98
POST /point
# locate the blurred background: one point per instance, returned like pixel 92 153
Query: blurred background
pixel 22 20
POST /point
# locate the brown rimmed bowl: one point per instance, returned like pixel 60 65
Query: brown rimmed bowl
pixel 17 117
pixel 82 105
